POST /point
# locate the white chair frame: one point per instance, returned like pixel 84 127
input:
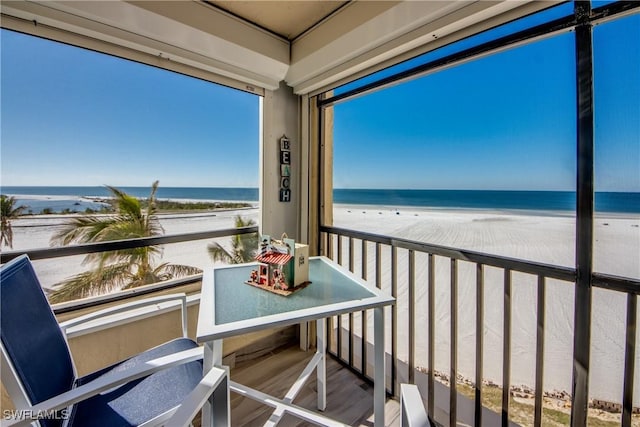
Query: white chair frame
pixel 216 379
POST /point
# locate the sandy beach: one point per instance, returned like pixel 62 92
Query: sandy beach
pixel 528 236
pixel 524 235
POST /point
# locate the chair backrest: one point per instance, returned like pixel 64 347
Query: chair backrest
pixel 32 342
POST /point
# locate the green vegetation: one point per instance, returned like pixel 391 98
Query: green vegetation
pixel 172 206
pixel 121 269
pixel 243 246
pixel 8 211
pixel 102 210
pixel 523 413
pixel 161 206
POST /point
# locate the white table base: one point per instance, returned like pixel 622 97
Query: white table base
pixel 213 357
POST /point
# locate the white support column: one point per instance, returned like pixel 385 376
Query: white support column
pixel 282 113
pixel 279 116
pixel 218 401
pixel 321 340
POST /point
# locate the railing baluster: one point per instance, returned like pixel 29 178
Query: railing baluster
pixel 351 254
pixel 379 269
pixel 364 260
pixel 378 266
pixel 351 334
pixel 364 313
pixel 351 338
pixel 330 245
pixel 394 319
pixel 479 343
pixel 432 339
pixel 629 360
pixel 412 315
pixel 537 419
pixel 506 348
pixel 330 340
pixel 339 337
pixel 339 242
pixel 453 389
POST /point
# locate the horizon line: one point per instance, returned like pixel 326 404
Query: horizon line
pixel 338 188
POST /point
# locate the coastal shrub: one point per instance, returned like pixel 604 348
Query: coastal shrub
pixel 170 205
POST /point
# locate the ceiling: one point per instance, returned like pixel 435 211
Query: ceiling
pixel 288 19
pixel 310 46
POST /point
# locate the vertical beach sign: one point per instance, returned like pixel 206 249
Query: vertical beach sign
pixel 285 169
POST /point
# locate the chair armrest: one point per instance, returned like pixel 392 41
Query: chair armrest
pixel 109 381
pixel 190 406
pixel 412 412
pixel 121 308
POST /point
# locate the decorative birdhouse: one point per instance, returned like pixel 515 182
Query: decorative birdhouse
pixel 284 265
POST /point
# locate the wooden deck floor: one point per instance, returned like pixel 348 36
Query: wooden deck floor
pixel 349 398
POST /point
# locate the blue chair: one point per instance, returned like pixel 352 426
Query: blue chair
pixel 162 386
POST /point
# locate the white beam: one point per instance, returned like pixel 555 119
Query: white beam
pixel 405 28
pixel 360 34
pixel 174 30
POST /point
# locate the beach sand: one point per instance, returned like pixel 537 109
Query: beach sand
pixel 525 235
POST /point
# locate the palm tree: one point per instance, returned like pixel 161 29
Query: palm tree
pixel 8 212
pixel 243 246
pixel 119 269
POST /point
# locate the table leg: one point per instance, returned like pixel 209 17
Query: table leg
pixel 321 344
pixel 379 388
pixel 217 408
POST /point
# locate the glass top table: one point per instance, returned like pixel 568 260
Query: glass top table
pixel 229 307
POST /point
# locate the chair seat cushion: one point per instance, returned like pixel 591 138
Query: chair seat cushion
pixel 141 400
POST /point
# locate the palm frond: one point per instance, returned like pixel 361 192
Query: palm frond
pixel 94 282
pixel 178 270
pixel 8 208
pixel 160 273
pixel 119 269
pixel 243 246
pixel 218 253
pixel 8 211
pixel 84 229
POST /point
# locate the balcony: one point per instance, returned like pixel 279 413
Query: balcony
pixel 268 360
pixel 343 52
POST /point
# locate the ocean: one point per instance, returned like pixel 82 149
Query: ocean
pixel 610 202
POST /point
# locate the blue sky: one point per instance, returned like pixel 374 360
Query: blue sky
pixel 76 117
pixel 507 121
